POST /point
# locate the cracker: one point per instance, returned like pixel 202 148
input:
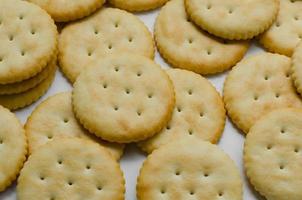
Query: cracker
pixel 17 101
pixel 68 10
pixel 199 112
pixel 71 169
pixel 189 169
pixel 107 32
pixel 185 46
pixel 53 119
pixel 272 154
pixel 286 32
pixel 29 36
pixel 134 93
pixel 19 87
pixel 233 19
pixel 257 85
pixel 13 147
pixel 297 68
pixel 138 5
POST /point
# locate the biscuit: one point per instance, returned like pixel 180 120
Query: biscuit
pixel 286 32
pixel 233 19
pixel 128 97
pixel 185 46
pixel 54 118
pixel 29 36
pixel 19 87
pixel 297 68
pixel 71 168
pixel 272 154
pixel 257 85
pixel 189 169
pixel 17 101
pixel 13 147
pixel 199 111
pixel 68 10
pixel 138 5
pixel 107 32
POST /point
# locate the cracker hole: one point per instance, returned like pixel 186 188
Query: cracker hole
pixel 297 150
pixel 116 25
pixel 96 32
pixel 179 109
pixel 33 32
pixel 282 130
pixel 231 11
pixel 110 46
pixel 296 18
pixel 300 36
pixel 201 114
pixel 266 78
pixel 256 98
pixel 105 85
pixel 278 24
pixel 177 173
pixel 22 53
pixel 117 69
pixel 281 166
pixel 188 20
pixel 190 92
pixel 11 38
pixel 1 59
pixel 168 127
pixel 190 41
pixel 89 53
pixel 42 178
pixel 60 162
pixel 277 95
pixel 163 191
pixel 209 52
pixel 209 6
pixel 66 120
pixel 21 17
pixel 70 183
pixel 190 132
pixel 127 91
pixel 138 74
pixel 88 167
pixel 130 39
pixel 269 147
pixel 206 175
pixel 116 108
pixel 1 141
pixel 220 194
pixel 50 137
pixel 192 192
pixel 287 74
pixel 150 96
pixel 100 188
pixel 139 113
pixel 293 1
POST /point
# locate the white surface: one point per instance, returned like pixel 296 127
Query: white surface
pixel 231 141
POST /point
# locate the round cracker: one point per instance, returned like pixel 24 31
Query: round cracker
pixel 284 35
pixel 17 101
pixel 133 92
pixel 273 149
pixel 53 119
pixel 138 5
pixel 13 147
pixel 185 46
pixel 71 169
pixel 257 85
pixel 19 87
pixel 189 169
pixel 233 19
pixel 199 111
pixel 68 10
pixel 107 32
pixel 29 36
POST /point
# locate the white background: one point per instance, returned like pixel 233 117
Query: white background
pixel 231 141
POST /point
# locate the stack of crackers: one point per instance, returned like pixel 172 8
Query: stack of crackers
pixel 71 143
